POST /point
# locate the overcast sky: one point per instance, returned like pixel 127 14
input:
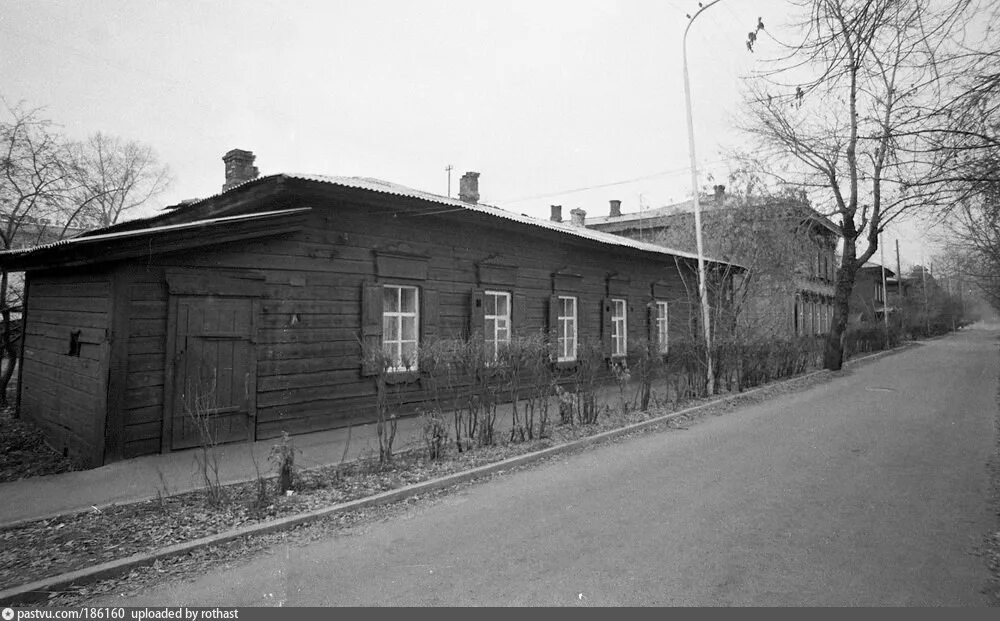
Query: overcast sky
pixel 543 98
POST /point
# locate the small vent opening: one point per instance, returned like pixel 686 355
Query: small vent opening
pixel 74 343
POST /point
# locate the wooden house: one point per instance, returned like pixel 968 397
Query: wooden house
pixel 867 302
pixel 265 292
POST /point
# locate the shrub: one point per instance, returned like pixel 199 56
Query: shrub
pixel 434 432
pixel 376 358
pixel 282 456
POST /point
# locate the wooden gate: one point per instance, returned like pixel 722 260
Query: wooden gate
pixel 214 371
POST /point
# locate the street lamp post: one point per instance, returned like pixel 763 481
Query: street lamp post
pixel 702 286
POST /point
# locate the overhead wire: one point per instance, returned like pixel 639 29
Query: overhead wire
pixel 663 173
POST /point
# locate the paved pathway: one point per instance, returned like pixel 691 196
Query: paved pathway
pixel 869 489
pixel 142 478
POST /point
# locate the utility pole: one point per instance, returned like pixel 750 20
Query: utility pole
pixel 923 281
pixel 885 296
pixel 448 169
pixel 702 286
pixel 642 208
pixel 899 289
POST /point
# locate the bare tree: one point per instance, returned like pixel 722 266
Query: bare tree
pixel 770 232
pixel 973 235
pixel 34 179
pixel 51 188
pixel 112 177
pixel 846 112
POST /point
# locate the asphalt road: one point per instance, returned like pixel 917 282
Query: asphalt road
pixel 869 489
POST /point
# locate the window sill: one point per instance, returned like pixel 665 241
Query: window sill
pixel 401 377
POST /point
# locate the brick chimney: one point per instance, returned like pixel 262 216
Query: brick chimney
pixel 239 168
pixel 616 208
pixel 720 193
pixel 556 213
pixel 578 217
pixel 468 188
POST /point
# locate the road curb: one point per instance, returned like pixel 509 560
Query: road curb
pixel 39 590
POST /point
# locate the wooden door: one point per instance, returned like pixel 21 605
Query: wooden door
pixel 214 374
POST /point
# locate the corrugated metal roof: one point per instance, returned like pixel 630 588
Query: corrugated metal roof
pixel 385 187
pixel 89 239
pixel 372 184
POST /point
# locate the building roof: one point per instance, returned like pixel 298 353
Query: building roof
pixel 176 217
pixel 872 266
pixel 708 203
pixel 123 244
pixel 378 185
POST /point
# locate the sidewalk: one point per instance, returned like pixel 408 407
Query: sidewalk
pixel 141 478
pixel 137 479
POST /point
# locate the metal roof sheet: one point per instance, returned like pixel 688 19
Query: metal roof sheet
pixel 385 187
pixel 372 184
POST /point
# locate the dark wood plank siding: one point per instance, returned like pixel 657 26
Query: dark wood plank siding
pixel 64 388
pixel 147 334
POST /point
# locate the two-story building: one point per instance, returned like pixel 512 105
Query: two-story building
pixel 788 248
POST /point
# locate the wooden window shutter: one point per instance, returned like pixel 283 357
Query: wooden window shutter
pixel 553 326
pixel 606 327
pixel 519 314
pixel 371 326
pixel 476 313
pixel 652 336
pixel 428 315
pixel 633 322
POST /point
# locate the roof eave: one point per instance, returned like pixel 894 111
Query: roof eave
pixel 154 241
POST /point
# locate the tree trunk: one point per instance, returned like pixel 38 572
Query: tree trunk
pixel 833 354
pixel 7 354
pixel 9 358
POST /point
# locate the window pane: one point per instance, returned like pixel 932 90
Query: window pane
pixel 409 302
pixel 409 328
pixel 489 304
pixel 409 360
pixel 502 334
pixel 619 306
pixel 390 299
pixel 489 327
pixel 501 303
pixel 390 328
pixel 391 351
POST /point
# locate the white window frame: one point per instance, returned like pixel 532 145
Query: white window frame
pixel 662 327
pixel 497 319
pixel 567 326
pixel 394 348
pixel 619 327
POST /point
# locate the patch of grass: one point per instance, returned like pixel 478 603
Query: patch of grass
pixel 23 452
